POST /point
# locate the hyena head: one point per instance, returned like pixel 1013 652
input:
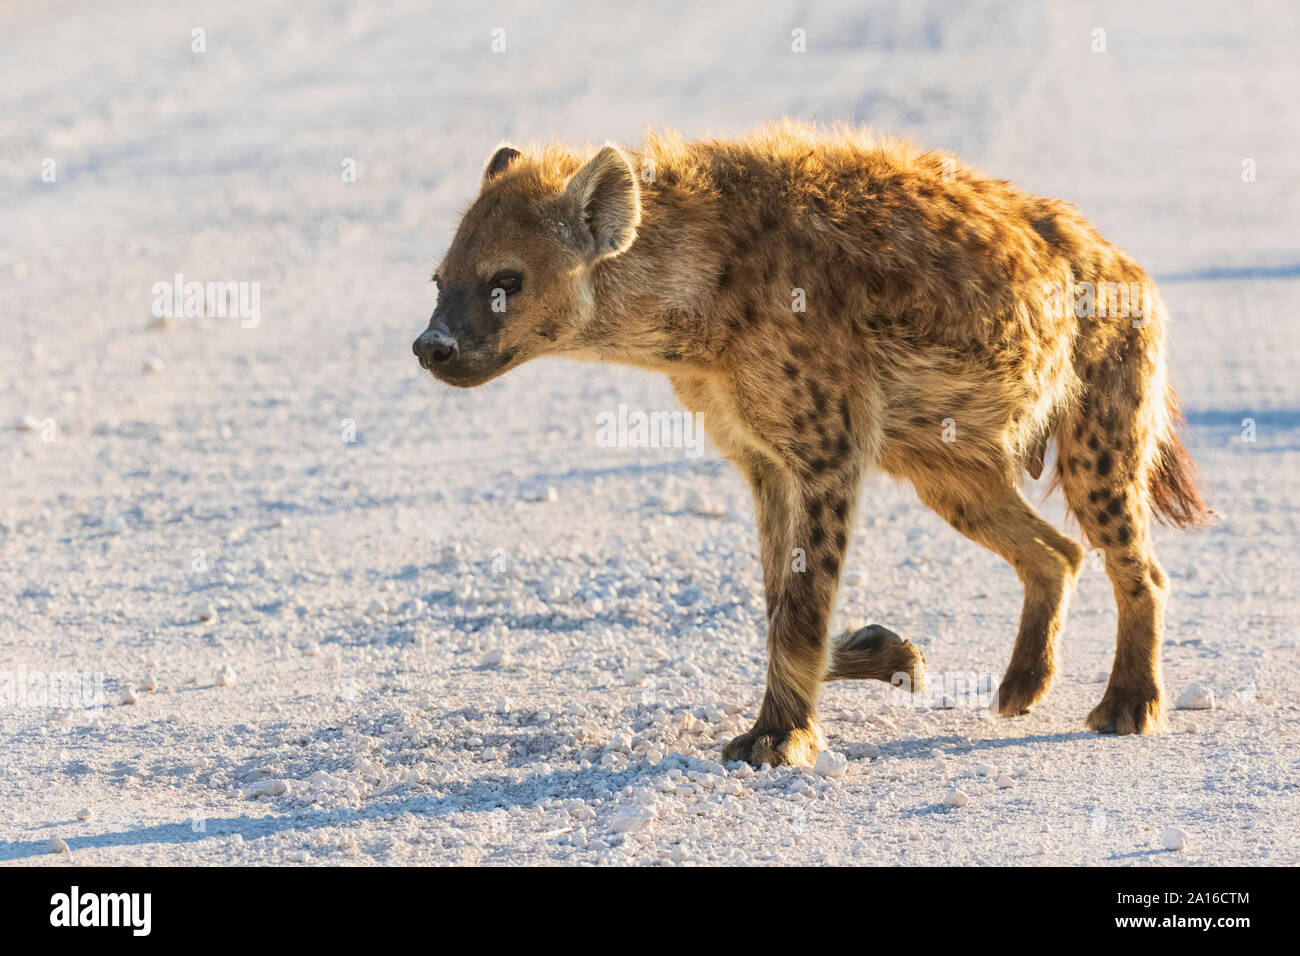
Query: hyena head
pixel 517 281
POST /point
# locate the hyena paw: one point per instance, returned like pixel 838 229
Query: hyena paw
pixel 1019 691
pixel 1128 711
pixel 877 653
pixel 798 747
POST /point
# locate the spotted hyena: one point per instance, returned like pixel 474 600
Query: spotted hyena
pixel 838 304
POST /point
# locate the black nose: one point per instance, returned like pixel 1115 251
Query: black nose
pixel 435 347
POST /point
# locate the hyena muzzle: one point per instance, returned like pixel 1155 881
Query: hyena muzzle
pixel 836 305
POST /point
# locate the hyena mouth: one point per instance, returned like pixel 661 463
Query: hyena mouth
pixel 470 371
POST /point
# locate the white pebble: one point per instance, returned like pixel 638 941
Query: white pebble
pixel 153 364
pixel 270 788
pixel 59 845
pixel 957 798
pixel 1196 697
pixel 831 763
pixel 702 506
pixel 1005 781
pixel 1174 839
pixel 495 658
pixel 226 676
pixel 630 819
pixel 85 814
pixel 150 682
pixel 208 614
pixel 299 856
pixel 128 695
pixel 983 769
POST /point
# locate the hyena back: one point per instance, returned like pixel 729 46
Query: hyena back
pixel 837 305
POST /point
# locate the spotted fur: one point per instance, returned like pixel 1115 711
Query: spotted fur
pixel 924 349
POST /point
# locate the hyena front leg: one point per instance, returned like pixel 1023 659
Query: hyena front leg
pixel 803 531
pixel 877 653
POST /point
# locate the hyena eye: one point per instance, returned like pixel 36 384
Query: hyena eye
pixel 508 281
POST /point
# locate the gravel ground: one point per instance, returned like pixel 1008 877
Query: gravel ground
pixel 328 613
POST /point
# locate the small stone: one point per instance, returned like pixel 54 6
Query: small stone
pixel 983 769
pixel 150 682
pixel 85 814
pixel 1196 697
pixel 496 657
pixel 268 788
pixel 59 845
pixel 153 364
pixel 1174 839
pixel 957 798
pixel 376 607
pixel 699 505
pixel 208 615
pixel 299 856
pixel 226 676
pixel 831 763
pixel 128 695
pixel 1005 781
pixel 630 819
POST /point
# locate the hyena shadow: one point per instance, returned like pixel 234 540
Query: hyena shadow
pixel 919 748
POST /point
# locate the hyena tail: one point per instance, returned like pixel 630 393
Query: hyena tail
pixel 1172 483
pixel 1120 438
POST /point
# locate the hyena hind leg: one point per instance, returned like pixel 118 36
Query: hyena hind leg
pixel 992 512
pixel 1114 512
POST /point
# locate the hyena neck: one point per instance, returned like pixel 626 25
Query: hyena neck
pixel 653 305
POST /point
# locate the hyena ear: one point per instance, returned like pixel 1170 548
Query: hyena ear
pixel 605 203
pixel 499 162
